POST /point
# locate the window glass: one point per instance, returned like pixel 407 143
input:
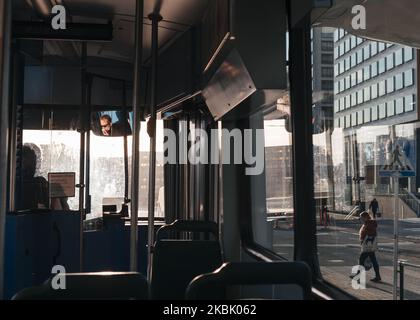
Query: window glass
pixel 381 46
pixel 360 117
pixel 327 85
pixel 347 82
pixel 366 52
pixel 390 62
pixel 409 103
pixel 382 111
pixel 366 73
pixel 374 91
pixel 399 84
pixel 382 88
pixel 390 85
pixel 360 146
pixel 374 69
pixel 56 151
pixel 279 190
pixel 360 97
pixel 353 79
pixel 354 119
pixel 347 63
pixel 359 76
pixel 408 78
pixel 366 115
pixel 327 58
pixel 327 45
pixel 381 68
pixel 359 56
pixel 353 61
pixel 107 156
pixel 399 106
pixel 398 57
pixel 352 42
pixel 327 72
pixel 408 54
pixel 353 99
pixel 390 105
pixel 374 48
pixel 366 93
pixel 374 113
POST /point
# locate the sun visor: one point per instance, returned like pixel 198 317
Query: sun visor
pixel 248 67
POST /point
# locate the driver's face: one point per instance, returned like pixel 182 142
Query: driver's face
pixel 106 127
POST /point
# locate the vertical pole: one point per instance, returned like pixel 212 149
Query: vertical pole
pixel 82 177
pixel 305 245
pixel 136 136
pixel 155 18
pixel 88 99
pixel 5 44
pixel 396 214
pixel 125 128
pixel 401 281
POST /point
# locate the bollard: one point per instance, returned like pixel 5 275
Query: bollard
pixel 401 280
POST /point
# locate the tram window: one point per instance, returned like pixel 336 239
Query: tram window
pixel 361 149
pixel 107 177
pixel 59 151
pixel 279 190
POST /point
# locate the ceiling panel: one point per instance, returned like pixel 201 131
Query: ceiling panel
pixel 178 16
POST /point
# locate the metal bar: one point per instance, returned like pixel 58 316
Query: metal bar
pixel 401 281
pixel 305 245
pixel 125 127
pixel 5 44
pixel 88 205
pixel 410 264
pixel 395 255
pixel 155 18
pixel 82 177
pixel 136 135
pixel 16 127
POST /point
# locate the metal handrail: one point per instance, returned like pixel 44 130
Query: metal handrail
pixel 411 198
pixel 354 211
pixel 402 264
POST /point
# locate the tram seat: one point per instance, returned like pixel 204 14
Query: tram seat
pixel 251 273
pixel 91 286
pixel 176 262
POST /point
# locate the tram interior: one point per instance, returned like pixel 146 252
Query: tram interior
pixel 117 166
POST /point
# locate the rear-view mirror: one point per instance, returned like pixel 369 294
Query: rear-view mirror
pixel 110 124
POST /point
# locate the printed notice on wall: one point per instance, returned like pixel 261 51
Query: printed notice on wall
pixel 62 185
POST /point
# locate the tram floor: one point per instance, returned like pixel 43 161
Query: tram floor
pixel 338 252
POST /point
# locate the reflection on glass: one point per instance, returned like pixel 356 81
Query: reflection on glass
pixel 379 115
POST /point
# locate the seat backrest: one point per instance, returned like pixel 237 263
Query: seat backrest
pixel 91 286
pixel 176 262
pixel 188 226
pixel 254 273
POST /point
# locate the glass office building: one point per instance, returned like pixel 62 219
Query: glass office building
pixel 375 95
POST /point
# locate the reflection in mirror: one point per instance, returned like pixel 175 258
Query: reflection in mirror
pixel 110 124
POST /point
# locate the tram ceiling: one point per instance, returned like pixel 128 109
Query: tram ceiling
pixel 178 17
pixel 226 49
